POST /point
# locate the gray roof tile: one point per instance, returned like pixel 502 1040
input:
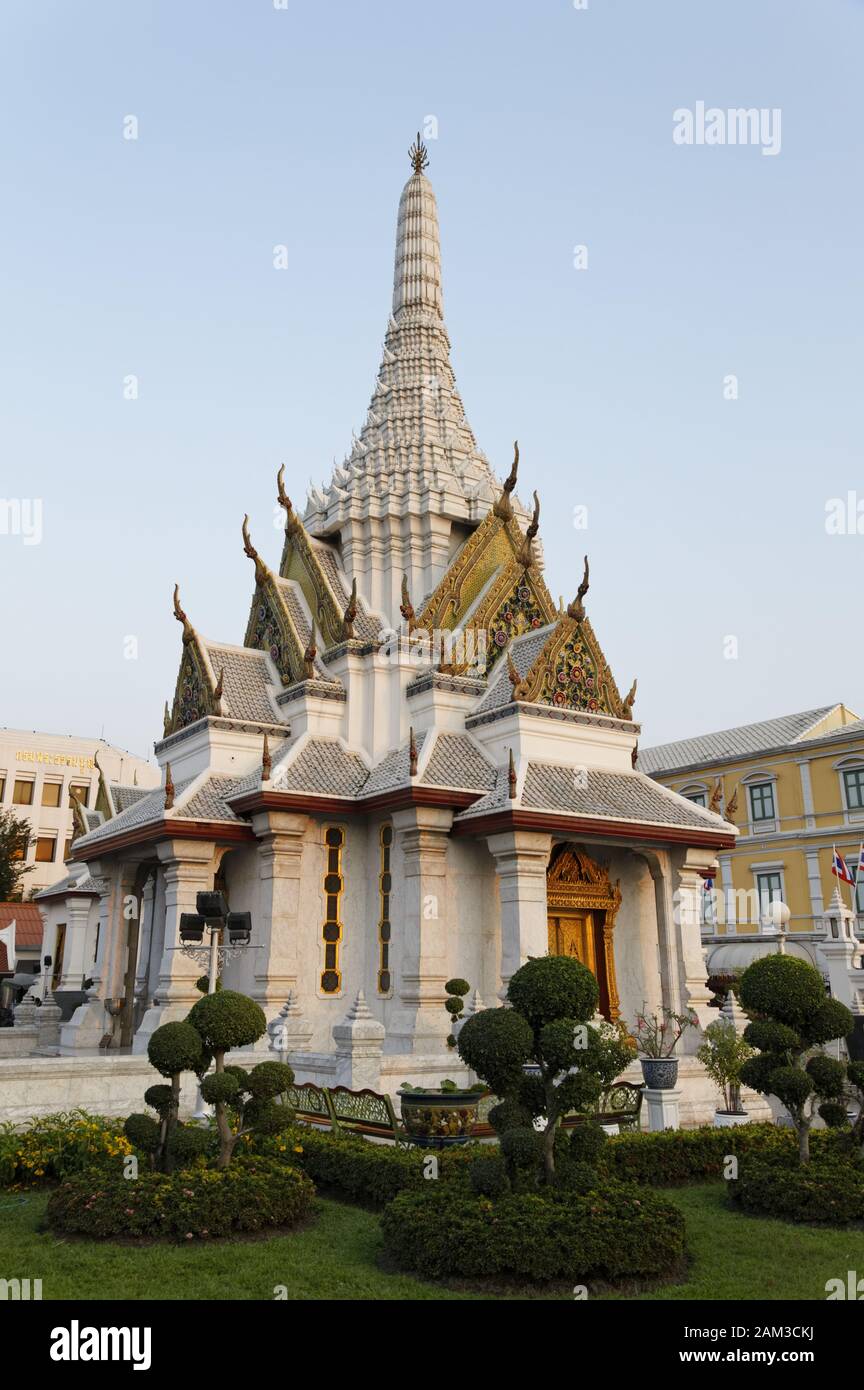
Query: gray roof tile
pixel 456 761
pixel 323 767
pixel 393 770
pixel 247 683
pixel 740 742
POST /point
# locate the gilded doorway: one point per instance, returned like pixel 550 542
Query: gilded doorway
pixel 581 905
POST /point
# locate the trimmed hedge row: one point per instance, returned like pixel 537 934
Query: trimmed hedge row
pixel 617 1233
pixel 691 1155
pixel 823 1192
pixel 253 1194
pixel 362 1169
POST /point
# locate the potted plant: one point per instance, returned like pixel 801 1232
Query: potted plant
pixel 722 1053
pixel 657 1036
pixel 445 1115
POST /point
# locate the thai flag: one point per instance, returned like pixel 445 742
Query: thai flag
pixel 840 868
pixel 860 869
pixel 709 882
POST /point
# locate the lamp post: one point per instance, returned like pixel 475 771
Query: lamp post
pixel 775 921
pixel 230 933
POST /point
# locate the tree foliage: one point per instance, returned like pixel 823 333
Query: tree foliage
pixel 14 839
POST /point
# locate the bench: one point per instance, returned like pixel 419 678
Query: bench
pixel 364 1112
pixel 310 1104
pixel 620 1104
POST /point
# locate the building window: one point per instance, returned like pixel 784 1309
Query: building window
pixel 385 884
pixel 22 792
pixel 52 793
pixel 59 945
pixel 770 890
pixel 81 790
pixel 853 784
pixel 2 785
pixel 45 847
pixel 762 801
pixel 331 975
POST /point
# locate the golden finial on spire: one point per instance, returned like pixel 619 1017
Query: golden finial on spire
pixel 217 692
pixel 266 761
pixel 419 155
pixel 716 795
pixel 406 608
pixel 309 661
pixel 511 776
pixel 180 615
pixel 731 805
pixel 169 788
pixel 292 521
pixel 629 699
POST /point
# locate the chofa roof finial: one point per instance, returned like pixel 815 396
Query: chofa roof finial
pixel 406 608
pixel 250 549
pixel 526 549
pixel 350 613
pixel 504 506
pixel 292 521
pixel 180 615
pixel 576 609
pixel 169 788
pixel 419 155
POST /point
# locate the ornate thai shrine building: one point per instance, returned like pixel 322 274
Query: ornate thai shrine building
pixel 414 765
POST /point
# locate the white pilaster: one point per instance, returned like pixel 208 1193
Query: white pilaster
pixel 521 860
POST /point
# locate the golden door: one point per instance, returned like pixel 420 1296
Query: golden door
pixel 573 934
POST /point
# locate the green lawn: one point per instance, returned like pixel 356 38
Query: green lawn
pixel 733 1257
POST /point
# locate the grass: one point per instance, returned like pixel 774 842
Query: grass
pixel 732 1257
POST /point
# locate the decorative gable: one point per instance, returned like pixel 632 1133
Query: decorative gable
pixel 198 692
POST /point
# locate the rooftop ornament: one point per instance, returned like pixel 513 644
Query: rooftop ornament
pixel 419 155
pixel 503 508
pixel 576 609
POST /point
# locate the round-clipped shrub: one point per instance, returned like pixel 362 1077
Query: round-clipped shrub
pixel 143 1132
pixel 829 1192
pixel 833 1112
pixel 160 1097
pixel 757 1071
pixel 227 1020
pixel 488 1177
pixel 553 987
pixel 520 1147
pixel 189 1142
pixel 454 1005
pixel 220 1085
pixel 509 1114
pixel 253 1194
pixel 270 1079
pixel 785 988
pixel 587 1142
pixel 175 1047
pixel 770 1036
pixel 241 1074
pixel 496 1043
pixel 791 1086
pixel 266 1117
pixel 617 1233
pixel 831 1020
pixel 457 987
pixel 828 1075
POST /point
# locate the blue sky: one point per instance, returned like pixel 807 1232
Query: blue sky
pixel 261 126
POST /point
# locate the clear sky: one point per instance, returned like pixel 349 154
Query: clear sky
pixel 260 126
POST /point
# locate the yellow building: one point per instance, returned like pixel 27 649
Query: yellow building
pixel 794 787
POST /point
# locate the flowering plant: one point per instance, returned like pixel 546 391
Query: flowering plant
pixel 658 1035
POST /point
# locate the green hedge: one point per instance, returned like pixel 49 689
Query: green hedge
pixel 690 1155
pixel 616 1233
pixel 828 1192
pixel 362 1169
pixel 253 1194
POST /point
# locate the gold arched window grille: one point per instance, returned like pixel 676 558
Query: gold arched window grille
pixel 385 884
pixel 334 884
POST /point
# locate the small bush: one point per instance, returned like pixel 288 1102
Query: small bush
pixel 827 1192
pixel 175 1047
pixel 144 1133
pixel 615 1233
pixel 189 1142
pixel 220 1085
pixel 253 1194
pixel 488 1176
pixel 45 1150
pixel 361 1170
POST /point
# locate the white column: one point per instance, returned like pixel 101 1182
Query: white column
pixel 91 1022
pixel 693 970
pixel 807 793
pixel 667 931
pixel 421 1023
pixel 147 905
pixel 814 882
pixel 74 967
pixel 280 855
pixel 188 867
pixel 521 860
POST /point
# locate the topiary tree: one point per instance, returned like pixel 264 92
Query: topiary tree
pixel 172 1049
pixel 227 1020
pixel 785 998
pixel 455 1004
pixel 552 999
